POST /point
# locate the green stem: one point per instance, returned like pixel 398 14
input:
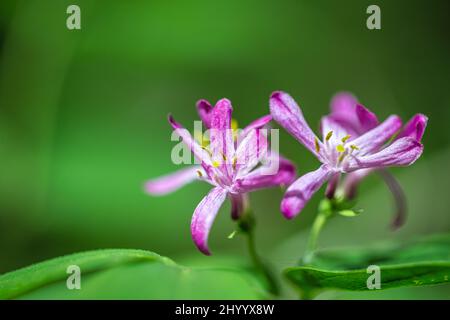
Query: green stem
pixel 322 217
pixel 246 226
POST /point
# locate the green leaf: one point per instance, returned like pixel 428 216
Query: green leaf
pixel 349 213
pixel 417 263
pixel 128 274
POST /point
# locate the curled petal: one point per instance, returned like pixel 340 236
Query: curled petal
pixel 415 127
pixel 367 119
pixel 301 191
pixel 204 112
pixel 266 177
pixel 250 151
pixel 173 181
pixel 287 113
pixel 401 152
pixel 399 198
pixel 204 216
pixel 196 149
pixel 375 138
pixel 237 205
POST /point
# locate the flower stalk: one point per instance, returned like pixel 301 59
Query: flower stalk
pixel 324 213
pixel 246 226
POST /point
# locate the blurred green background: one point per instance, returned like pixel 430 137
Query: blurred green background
pixel 83 117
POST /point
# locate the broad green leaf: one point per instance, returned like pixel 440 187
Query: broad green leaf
pixel 128 274
pixel 417 263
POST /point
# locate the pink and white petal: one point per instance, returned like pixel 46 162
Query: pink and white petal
pixel 257 124
pixel 301 191
pixel 264 177
pixel 339 130
pixel 172 182
pixel 287 113
pixel 415 127
pixel 402 152
pixel 204 216
pixel 373 140
pixel 204 112
pixel 250 151
pixel 221 135
pixel 367 119
pixel 196 149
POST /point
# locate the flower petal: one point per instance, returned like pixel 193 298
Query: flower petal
pixel 375 138
pixel 204 112
pixel 263 177
pixel 401 152
pixel 174 181
pixel 415 127
pixel 399 198
pixel 196 149
pixel 204 216
pixel 287 113
pixel 367 119
pixel 352 181
pixel 301 191
pixel 250 151
pixel 237 205
pixel 221 135
pixel 332 185
pixel 343 104
pixel 354 117
pixel 257 124
pixel 329 124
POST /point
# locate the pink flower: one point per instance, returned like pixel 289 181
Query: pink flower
pixel 353 140
pixel 234 166
pixel 346 110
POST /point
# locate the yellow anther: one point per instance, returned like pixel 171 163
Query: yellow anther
pixel 344 139
pixel 224 157
pixel 234 124
pixel 317 145
pixel 216 164
pixel 234 163
pixel 354 147
pixel 234 128
pixel 340 148
pixel 329 135
pixel 200 174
